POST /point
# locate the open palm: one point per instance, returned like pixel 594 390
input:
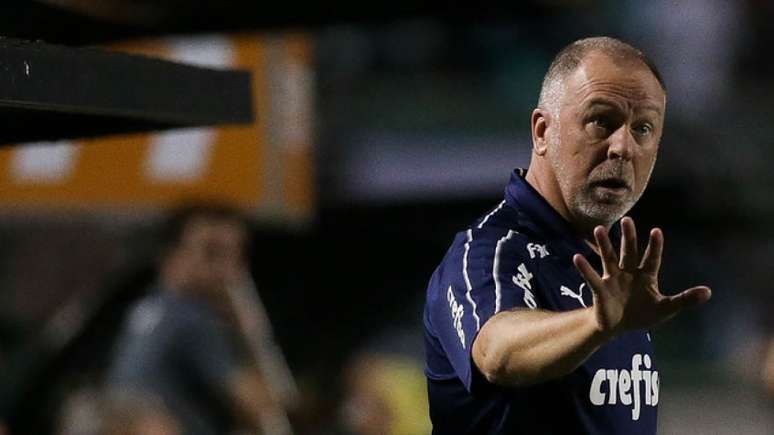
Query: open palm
pixel 627 295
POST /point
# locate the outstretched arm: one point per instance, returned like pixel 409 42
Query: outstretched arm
pixel 523 347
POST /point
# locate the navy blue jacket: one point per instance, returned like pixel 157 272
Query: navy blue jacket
pixel 519 255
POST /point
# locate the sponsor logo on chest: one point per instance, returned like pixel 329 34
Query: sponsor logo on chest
pixel 627 387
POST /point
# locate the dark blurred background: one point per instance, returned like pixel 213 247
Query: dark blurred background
pixel 395 128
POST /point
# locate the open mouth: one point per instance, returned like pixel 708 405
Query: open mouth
pixel 612 184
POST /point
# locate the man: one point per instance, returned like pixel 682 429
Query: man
pixel 88 412
pixel 767 369
pixel 533 323
pixel 180 344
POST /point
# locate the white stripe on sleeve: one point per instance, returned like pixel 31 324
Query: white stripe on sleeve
pixel 468 286
pixel 496 268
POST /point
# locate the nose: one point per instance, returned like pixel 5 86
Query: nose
pixel 621 144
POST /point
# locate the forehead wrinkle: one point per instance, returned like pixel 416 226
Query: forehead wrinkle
pixel 624 87
pixel 603 92
pixel 632 90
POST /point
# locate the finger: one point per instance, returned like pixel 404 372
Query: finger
pixel 630 254
pixel 689 298
pixel 606 251
pixel 587 272
pixel 651 260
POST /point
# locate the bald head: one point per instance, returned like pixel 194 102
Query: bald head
pixel 571 56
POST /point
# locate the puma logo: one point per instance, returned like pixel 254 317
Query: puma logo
pixel 578 296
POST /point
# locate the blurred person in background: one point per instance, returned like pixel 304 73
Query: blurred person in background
pixel 767 372
pixel 533 323
pixel 384 394
pixel 90 412
pixel 182 344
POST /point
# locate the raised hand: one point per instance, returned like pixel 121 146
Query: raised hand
pixel 627 295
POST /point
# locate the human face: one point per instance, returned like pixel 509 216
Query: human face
pixel 209 256
pixel 604 147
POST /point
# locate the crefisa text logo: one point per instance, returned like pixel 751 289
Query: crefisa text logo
pixel 627 387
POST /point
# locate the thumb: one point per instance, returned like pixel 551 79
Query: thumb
pixel 689 298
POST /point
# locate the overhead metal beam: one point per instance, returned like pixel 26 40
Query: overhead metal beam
pixel 52 92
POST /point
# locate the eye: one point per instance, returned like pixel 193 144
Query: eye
pixel 600 126
pixel 600 122
pixel 643 129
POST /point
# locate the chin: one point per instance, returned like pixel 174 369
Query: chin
pixel 601 213
pixel 604 207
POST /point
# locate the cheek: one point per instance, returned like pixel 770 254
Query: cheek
pixel 647 157
pixel 644 165
pixel 581 151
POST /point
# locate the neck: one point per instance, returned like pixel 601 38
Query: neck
pixel 544 181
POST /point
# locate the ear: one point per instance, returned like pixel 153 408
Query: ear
pixel 539 122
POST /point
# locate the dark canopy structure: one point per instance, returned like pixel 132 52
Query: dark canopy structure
pixel 50 92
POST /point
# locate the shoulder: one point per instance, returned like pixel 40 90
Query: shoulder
pixel 498 233
pixel 191 313
pixel 170 313
pixel 495 240
pixel 146 315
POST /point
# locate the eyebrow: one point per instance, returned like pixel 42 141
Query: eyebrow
pixel 602 102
